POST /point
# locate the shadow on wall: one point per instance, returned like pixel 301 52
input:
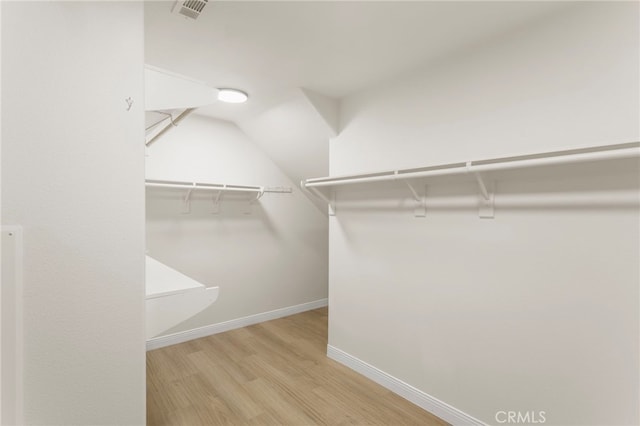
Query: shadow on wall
pixel 170 205
pixel 588 186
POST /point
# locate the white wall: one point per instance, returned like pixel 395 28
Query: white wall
pixel 537 309
pixel 569 82
pixel 294 134
pixel 72 176
pixel 275 257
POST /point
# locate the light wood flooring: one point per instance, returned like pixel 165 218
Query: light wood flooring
pixel 273 373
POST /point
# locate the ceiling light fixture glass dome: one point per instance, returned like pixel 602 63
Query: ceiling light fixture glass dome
pixel 233 96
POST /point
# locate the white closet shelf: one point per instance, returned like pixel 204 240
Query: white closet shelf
pixel 172 297
pixel 474 168
pixel 217 187
pixel 607 152
pixel 162 280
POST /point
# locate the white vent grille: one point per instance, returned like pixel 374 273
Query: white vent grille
pixel 191 8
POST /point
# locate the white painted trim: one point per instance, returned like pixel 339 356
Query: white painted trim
pixel 423 400
pixel 208 330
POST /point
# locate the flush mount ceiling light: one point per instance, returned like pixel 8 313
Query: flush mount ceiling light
pixel 233 96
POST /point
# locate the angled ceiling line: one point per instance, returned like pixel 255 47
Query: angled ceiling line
pixel 327 109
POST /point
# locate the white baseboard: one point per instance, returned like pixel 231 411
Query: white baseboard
pixel 423 400
pixel 208 330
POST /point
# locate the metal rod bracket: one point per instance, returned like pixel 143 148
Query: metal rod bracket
pixel 186 202
pixel 420 200
pixel 329 199
pixel 486 196
pixel 216 203
pixel 486 204
pixel 332 203
pixel 252 200
pixel 259 194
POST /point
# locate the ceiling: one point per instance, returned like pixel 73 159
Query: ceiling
pixel 330 47
pixel 296 59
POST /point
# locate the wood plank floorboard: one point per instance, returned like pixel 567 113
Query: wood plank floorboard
pixel 273 373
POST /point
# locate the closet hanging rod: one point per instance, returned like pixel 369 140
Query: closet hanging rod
pixel 203 186
pixel 607 152
pixel 156 123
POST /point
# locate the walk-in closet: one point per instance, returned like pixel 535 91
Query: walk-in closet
pixel 320 213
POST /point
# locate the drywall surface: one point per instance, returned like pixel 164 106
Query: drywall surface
pixel 570 82
pixel 273 258
pixel 535 310
pixel 73 177
pixel 294 133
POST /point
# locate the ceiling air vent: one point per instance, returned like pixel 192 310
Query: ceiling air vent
pixel 190 8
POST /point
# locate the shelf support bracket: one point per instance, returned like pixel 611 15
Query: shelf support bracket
pixel 420 207
pixel 486 196
pixel 259 194
pixel 332 203
pixel 252 200
pixel 216 202
pixel 330 200
pixel 186 202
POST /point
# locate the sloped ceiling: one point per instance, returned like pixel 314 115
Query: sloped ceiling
pixel 295 135
pixel 165 90
pixel 297 59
